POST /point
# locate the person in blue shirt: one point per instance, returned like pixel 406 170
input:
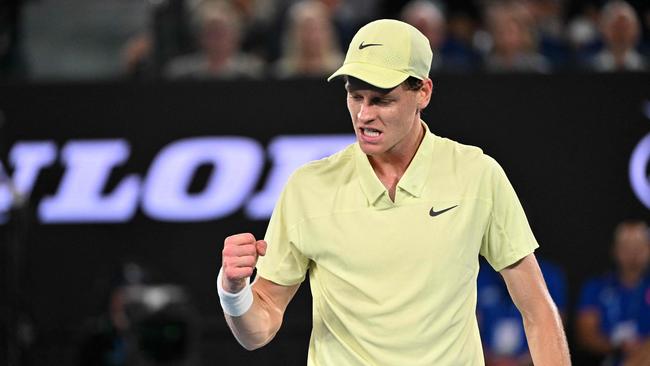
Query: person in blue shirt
pixel 500 324
pixel 613 319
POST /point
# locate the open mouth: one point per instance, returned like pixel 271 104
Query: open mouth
pixel 370 132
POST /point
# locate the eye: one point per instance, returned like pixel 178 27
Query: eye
pixel 381 101
pixel 355 97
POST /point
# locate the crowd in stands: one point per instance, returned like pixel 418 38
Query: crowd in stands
pixel 288 38
pixel 307 37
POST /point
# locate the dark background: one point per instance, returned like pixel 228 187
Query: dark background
pixel 564 140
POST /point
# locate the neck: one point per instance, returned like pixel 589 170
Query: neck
pixel 216 60
pixel 630 278
pixel 390 166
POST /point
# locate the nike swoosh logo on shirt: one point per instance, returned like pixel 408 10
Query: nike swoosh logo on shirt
pixel 433 213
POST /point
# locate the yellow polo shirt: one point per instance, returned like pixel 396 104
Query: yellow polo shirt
pixel 394 283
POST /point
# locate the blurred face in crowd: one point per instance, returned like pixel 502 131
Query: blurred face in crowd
pixel 430 22
pixel 219 37
pixel 313 33
pixel 509 30
pixel 620 27
pixel 507 33
pixel 311 30
pixel 386 121
pixel 632 248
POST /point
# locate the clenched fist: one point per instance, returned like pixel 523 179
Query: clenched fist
pixel 238 259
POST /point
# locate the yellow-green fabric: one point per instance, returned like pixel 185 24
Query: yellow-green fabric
pixel 386 52
pixel 391 284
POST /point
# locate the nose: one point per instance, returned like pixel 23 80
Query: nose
pixel 366 113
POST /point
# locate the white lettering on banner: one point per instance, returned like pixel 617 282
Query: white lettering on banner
pixel 639 178
pixel 28 159
pixel 288 153
pixel 79 198
pixel 237 163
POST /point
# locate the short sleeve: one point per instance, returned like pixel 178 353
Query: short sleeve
pixel 508 237
pixel 283 263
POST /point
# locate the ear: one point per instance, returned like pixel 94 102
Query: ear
pixel 424 94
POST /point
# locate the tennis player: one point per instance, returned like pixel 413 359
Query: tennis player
pixel 389 230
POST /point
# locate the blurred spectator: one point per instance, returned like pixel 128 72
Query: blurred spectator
pixel 582 32
pixel 548 17
pixel 550 30
pixel 349 15
pixel 463 21
pixel 346 16
pixel 310 47
pixel 257 19
pixel 136 56
pixel 148 322
pixel 642 8
pixel 614 310
pixel 449 55
pixel 500 323
pixel 514 46
pixel 218 30
pixel 620 29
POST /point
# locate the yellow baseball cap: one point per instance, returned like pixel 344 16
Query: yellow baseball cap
pixel 386 52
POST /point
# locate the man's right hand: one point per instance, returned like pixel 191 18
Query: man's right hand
pixel 238 259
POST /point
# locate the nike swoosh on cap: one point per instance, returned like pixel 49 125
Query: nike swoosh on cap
pixel 433 213
pixel 362 46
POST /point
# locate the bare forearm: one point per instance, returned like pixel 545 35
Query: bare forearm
pixel 546 339
pixel 544 330
pixel 253 313
pixel 258 325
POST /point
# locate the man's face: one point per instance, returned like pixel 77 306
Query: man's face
pixel 508 34
pixel 218 38
pixel 622 30
pixel 632 249
pixel 385 121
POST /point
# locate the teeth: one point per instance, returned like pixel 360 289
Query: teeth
pixel 370 132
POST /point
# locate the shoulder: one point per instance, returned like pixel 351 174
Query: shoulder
pixel 326 171
pixel 312 188
pixel 460 153
pixel 456 148
pixel 462 159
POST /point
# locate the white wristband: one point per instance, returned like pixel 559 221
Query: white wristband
pixel 234 304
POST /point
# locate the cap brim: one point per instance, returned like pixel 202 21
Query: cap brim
pixel 371 74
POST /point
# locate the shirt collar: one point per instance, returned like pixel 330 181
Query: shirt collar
pixel 415 176
pixel 370 184
pixel 413 180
